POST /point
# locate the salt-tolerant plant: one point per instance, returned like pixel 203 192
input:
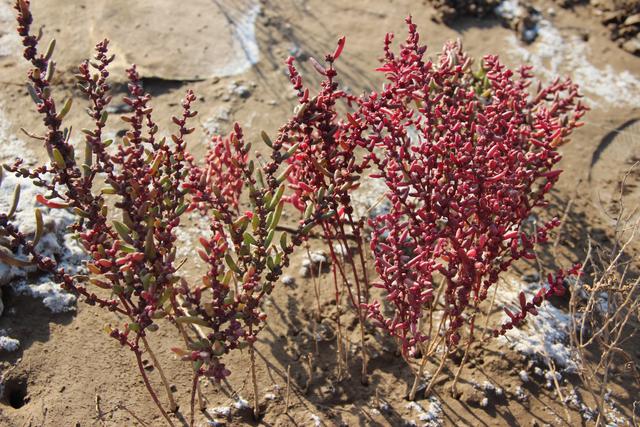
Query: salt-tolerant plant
pixel 466 157
pixel 150 183
pixel 221 175
pixel 245 256
pixel 132 257
pixel 326 167
pixel 6 255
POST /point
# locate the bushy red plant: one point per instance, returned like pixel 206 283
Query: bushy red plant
pixel 244 255
pixel 221 175
pixel 133 258
pixel 147 182
pixel 151 182
pixel 466 157
pixel 326 167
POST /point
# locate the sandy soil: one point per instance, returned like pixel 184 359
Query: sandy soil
pixel 68 372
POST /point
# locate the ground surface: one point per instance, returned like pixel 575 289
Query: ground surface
pixel 65 363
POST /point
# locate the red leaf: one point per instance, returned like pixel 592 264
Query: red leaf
pixel 319 68
pixel 338 51
pixel 523 301
pixel 48 203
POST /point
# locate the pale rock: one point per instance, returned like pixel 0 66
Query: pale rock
pixel 632 45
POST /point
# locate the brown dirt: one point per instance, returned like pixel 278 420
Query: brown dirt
pixel 621 17
pixel 66 363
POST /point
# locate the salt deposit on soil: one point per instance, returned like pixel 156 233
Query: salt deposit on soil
pixel 549 377
pixel 524 376
pixel 316 420
pixel 51 294
pixel 314 264
pixel 244 29
pixel 431 417
pixel 509 9
pixel 489 388
pixel 7 343
pixel 554 53
pixel 544 334
pixel 521 395
pixel 614 416
pixel 223 411
pixel 55 242
pixel 523 18
pixel 241 403
pixel 288 280
pixel 573 400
